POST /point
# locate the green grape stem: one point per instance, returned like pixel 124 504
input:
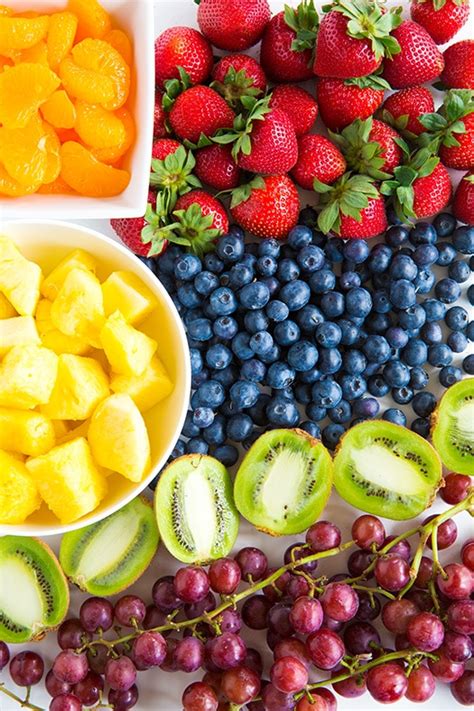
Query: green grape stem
pixel 24 703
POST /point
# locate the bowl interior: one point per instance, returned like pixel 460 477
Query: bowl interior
pixel 48 243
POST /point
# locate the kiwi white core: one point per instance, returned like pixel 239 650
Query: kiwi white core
pixel 20 596
pixel 284 477
pixel 114 538
pixel 379 466
pixel 200 511
pixel 464 419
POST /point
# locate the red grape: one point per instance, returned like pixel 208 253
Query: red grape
pixel 224 576
pixel 123 700
pixel 189 654
pixel 297 551
pixel 228 650
pixel 306 615
pixel 97 658
pixel 358 562
pixel 199 697
pixel 240 685
pixel 463 688
pixel 255 611
pixel 120 674
pixel 461 616
pixel 54 687
pixel 446 535
pixel 275 700
pixel 318 703
pixel 467 555
pixel 279 620
pixel 253 563
pixel 292 647
pixel 253 660
pixel 289 675
pixel 149 650
pixel 456 488
pixel 89 689
pixel 154 618
pixel 322 536
pixel 368 531
pixel 459 582
pixel 340 601
pixel 230 621
pixel 392 573
pixel 331 624
pixel 425 631
pixel 26 668
pixel 71 634
pixel 191 584
pixel 401 642
pixel 369 607
pixel 425 572
pixel 402 548
pixel 421 598
pixel 421 685
pixel 197 609
pixel 297 586
pixel 387 683
pixel 96 613
pixel 444 669
pixel 457 647
pixel 396 615
pixel 70 667
pixel 65 702
pixel 328 697
pixel 130 610
pixel 164 595
pixel 4 655
pixel 169 664
pixel 214 680
pixel 352 687
pixel 361 638
pixel 274 590
pixel 325 648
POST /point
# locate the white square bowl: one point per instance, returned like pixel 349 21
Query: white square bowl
pixel 135 17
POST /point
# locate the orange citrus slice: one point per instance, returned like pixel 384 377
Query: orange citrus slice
pixel 121 43
pixel 99 56
pixel 59 110
pixel 93 19
pixel 37 54
pixel 22 91
pixel 85 84
pixel 112 155
pixel 61 34
pixel 98 127
pixel 23 152
pixel 87 175
pixel 20 32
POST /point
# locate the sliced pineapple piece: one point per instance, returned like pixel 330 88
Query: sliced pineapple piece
pixel 75 432
pixel 78 309
pixel 125 292
pixel 128 351
pixel 80 386
pixel 6 309
pixel 68 480
pixel 147 389
pixel 19 495
pixel 27 376
pixel 20 279
pixel 17 331
pixel 76 260
pixel 119 439
pixel 61 429
pixel 27 432
pixel 52 337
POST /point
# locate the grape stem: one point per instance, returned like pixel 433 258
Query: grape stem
pixel 24 703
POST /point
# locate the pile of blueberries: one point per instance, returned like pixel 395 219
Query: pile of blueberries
pixel 320 326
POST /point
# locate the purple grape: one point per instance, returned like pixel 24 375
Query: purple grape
pixel 322 536
pixel 253 563
pixel 361 638
pixel 65 702
pixel 279 620
pixel 463 688
pixel 230 621
pixel 402 548
pixel 197 609
pixel 72 635
pixel 396 615
pixel 89 689
pixel 392 572
pixel 96 613
pixel 274 700
pixel 130 610
pixel 306 615
pixel 168 665
pixel 297 586
pixel 228 651
pixel 369 607
pixel 120 674
pixel 97 658
pixel 54 687
pixel 123 700
pixel 457 647
pixel 368 531
pixel 4 655
pixel 350 688
pixel 425 631
pixel 191 584
pixel 164 595
pixel 26 668
pixel 149 650
pixel 296 552
pixel 154 618
pixel 189 654
pixel 461 616
pixel 70 667
pixel 340 601
pixel 255 612
pixel 358 562
pixel 224 576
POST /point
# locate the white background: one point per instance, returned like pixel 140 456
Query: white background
pixel 160 691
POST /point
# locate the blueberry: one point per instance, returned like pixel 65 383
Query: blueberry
pixel 269 248
pixel 203 417
pixel 468 364
pixel 457 341
pixel 415 352
pixel 205 282
pixel 215 433
pixel 328 334
pixel 421 426
pixel 341 413
pixel 300 236
pixel 330 360
pixel 255 321
pixel 167 260
pixel 308 216
pixel 402 294
pixel 470 294
pixel 371 369
pixel 254 296
pixel 210 394
pixel 423 403
pixel 240 275
pixel 244 394
pixel 470 331
pixel 310 258
pixel 379 259
pixel 447 290
pixel 280 375
pixel 334 250
pixel 189 428
pixel 403 267
pixel 435 310
pixel 266 266
pixel 381 281
pixel 241 346
pixel 381 302
pixel 200 378
pixel 463 239
pixel 179 449
pixel 282 412
pixel 253 370
pixel 425 255
pixel 378 323
pixel 356 250
pixel 187 267
pixel 149 262
pixel 412 318
pixel 376 349
pixel 239 426
pixel 315 412
pixel 424 280
pixel 444 224
pixel 396 337
pixel 286 333
pixel 456 318
pixel 271 355
pixel 332 304
pixel 196 445
pixel 349 280
pixel 310 376
pixel 353 386
pixel 309 317
pixel 230 248
pixel 459 271
pixel 311 428
pixel 188 296
pixel 396 236
pixel 261 342
pixel 326 393
pixel 295 294
pixel 403 395
pixel 272 284
pixel 377 385
pixel 225 327
pixel 431 333
pixel 226 376
pixel 322 282
pixel 366 407
pixel 331 435
pixel 302 393
pixel 423 233
pixel 249 260
pixel 358 302
pixel 302 356
pixel 440 354
pixel 257 412
pixel 394 415
pixel 218 356
pixel 196 361
pixel 212 263
pixel 353 362
pixel 276 310
pixel 349 332
pixel 227 454
pixel 288 270
pixel 200 329
pixel 396 374
pixel 419 378
pixel 446 254
pixel 448 375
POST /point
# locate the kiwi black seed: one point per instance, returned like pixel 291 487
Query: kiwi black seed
pixel 34 594
pixel 284 482
pixel 107 557
pixel 195 510
pixel 453 427
pixel 386 470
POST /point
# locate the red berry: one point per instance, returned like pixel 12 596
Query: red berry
pixel 182 47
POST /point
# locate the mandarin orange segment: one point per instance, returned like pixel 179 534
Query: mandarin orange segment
pixel 112 155
pixel 12 188
pixel 67 134
pixel 61 34
pixel 93 19
pixel 98 127
pixel 23 152
pixel 38 54
pixel 28 14
pixel 85 84
pixel 6 11
pixel 23 89
pixel 59 110
pixel 99 56
pixel 121 43
pixel 88 176
pixel 53 154
pixel 57 187
pixel 21 33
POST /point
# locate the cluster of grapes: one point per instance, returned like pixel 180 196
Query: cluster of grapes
pixel 310 622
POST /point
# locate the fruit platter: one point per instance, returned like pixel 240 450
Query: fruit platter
pixel 237 384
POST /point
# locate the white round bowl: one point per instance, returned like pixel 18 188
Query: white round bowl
pixel 48 242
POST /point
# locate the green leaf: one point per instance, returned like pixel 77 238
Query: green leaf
pixel 405 175
pixel 388 187
pixel 328 218
pixel 371 81
pixel 320 187
pixel 469 178
pixel 433 122
pixel 428 167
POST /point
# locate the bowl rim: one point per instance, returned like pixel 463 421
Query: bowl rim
pixel 154 283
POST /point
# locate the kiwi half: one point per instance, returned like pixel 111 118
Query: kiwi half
pixel 195 510
pixel 284 482
pixel 453 427
pixel 107 557
pixel 34 594
pixel 386 470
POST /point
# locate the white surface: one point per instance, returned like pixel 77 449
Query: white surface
pixel 136 18
pixel 162 692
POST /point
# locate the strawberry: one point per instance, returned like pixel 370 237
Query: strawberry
pixel 317 158
pixel 458 71
pixel 343 101
pixel 233 24
pixel 267 207
pixel 298 104
pixel 129 230
pixel 288 43
pixel 370 147
pixel 418 61
pixel 353 38
pixel 216 167
pixel 463 203
pixel 163 147
pixel 441 18
pixel 352 208
pixel 238 75
pixel 182 47
pixel 403 109
pixel 199 110
pixel 460 157
pixel 420 188
pixel 210 207
pixel 159 116
pixel 450 131
pixel 264 142
pixel 172 169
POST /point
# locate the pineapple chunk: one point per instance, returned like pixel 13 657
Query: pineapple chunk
pixel 20 279
pixel 68 480
pixel 27 432
pixel 27 376
pixel 78 309
pixel 18 493
pixel 125 292
pixel 77 431
pixel 80 386
pixel 119 439
pixel 61 429
pixel 18 331
pixel 128 351
pixel 76 260
pixel 52 338
pixel 147 389
pixel 6 309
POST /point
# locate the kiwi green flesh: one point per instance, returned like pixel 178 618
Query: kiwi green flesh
pixel 34 595
pixel 107 557
pixel 284 482
pixel 453 431
pixel 195 510
pixel 386 470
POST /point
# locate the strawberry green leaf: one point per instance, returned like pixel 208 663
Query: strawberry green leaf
pixel 371 81
pixel 236 87
pixel 304 22
pixel 320 187
pixel 469 178
pixel 243 192
pixel 328 218
pixel 433 122
pixel 174 173
pixel 367 21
